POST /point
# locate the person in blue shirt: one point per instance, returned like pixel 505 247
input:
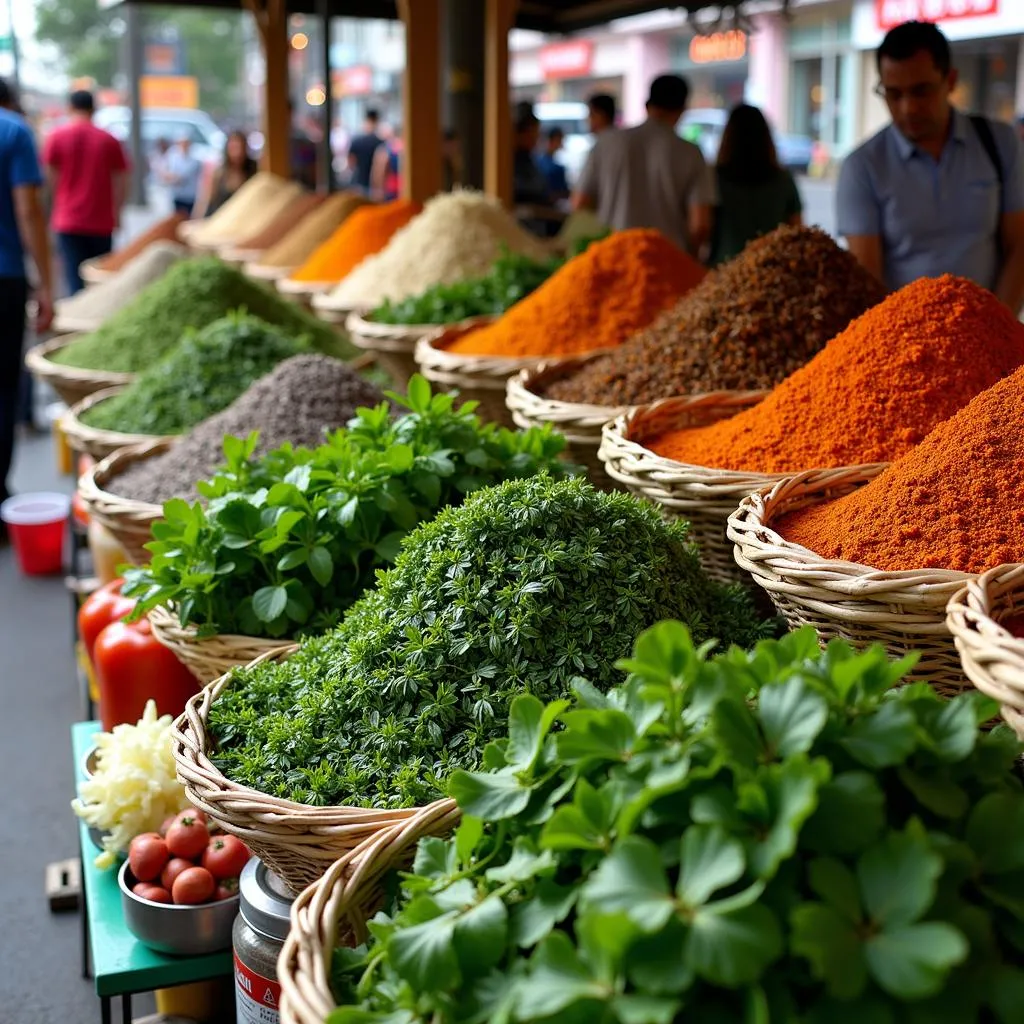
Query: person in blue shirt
pixel 182 171
pixel 22 229
pixel 552 169
pixel 936 191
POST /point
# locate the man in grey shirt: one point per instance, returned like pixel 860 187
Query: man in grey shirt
pixel 936 192
pixel 648 177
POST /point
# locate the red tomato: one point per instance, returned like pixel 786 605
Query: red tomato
pixel 99 610
pixel 225 857
pixel 195 885
pixel 187 837
pixel 226 888
pixel 174 867
pixel 147 855
pixel 153 893
pixel 132 666
pixel 167 823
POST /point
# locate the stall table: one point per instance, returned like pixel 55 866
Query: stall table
pixel 121 965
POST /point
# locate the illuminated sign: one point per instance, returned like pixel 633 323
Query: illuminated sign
pixel 567 60
pixel 353 81
pixel 718 47
pixel 890 13
pixel 169 91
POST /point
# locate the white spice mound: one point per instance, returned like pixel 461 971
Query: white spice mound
pixel 95 303
pixel 246 213
pixel 458 235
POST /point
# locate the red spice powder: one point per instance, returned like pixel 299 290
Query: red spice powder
pixel 956 501
pixel 874 391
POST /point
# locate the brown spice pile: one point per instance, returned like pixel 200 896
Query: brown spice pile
pixel 284 222
pixel 747 325
pixel 165 230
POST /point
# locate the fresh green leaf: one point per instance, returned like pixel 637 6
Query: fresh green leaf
pixel 269 603
pixel 897 878
pixel 911 962
pixel 791 716
pixel 710 860
pixel 734 948
pixel 827 938
pixel 632 880
pixel 883 738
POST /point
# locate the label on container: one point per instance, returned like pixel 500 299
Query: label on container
pixel 257 999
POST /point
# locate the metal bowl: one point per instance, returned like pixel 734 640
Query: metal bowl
pixel 180 930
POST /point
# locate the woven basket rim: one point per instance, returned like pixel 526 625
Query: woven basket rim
pixel 38 362
pixel 262 272
pixel 164 620
pixel 432 353
pixel 92 483
pixel 977 603
pixel 523 394
pixel 286 286
pixel 111 440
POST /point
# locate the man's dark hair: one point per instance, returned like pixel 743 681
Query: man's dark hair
pixel 669 92
pixel 914 37
pixel 555 133
pixel 82 101
pixel 603 103
pixel 373 115
pixel 525 117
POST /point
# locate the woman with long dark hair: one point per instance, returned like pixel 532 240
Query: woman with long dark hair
pixel 755 194
pixel 236 169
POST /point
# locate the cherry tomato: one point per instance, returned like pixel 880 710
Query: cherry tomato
pixel 194 885
pixel 167 823
pixel 226 888
pixel 187 837
pixel 99 610
pixel 153 893
pixel 147 855
pixel 225 857
pixel 173 868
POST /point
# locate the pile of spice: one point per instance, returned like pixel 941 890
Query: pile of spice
pixel 458 236
pixel 874 391
pixel 748 326
pixel 95 303
pixel 297 403
pixel 597 300
pixel 249 210
pixel 364 233
pixel 204 373
pixel 192 293
pixel 165 230
pixel 312 231
pixel 953 502
pixel 291 216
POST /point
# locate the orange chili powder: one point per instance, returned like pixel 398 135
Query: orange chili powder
pixel 953 502
pixel 596 300
pixel 365 232
pixel 874 391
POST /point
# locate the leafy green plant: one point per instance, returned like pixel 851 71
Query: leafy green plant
pixel 784 835
pixel 518 590
pixel 204 373
pixel 285 543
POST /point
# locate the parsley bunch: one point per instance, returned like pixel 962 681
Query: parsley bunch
pixel 517 591
pixel 286 542
pixel 774 836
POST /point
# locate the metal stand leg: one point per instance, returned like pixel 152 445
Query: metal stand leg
pixel 83 916
pixel 126 1008
pixel 105 1009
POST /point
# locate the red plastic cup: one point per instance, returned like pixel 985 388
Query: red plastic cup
pixel 37 524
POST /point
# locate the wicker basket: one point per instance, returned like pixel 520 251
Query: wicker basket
pixel 71 383
pixel 579 423
pixel 127 520
pixel 210 657
pixel 335 910
pixel 302 292
pixel 479 378
pixel 296 841
pixel 261 272
pixel 992 657
pixel 905 611
pixel 64 324
pixel 706 497
pixel 94 441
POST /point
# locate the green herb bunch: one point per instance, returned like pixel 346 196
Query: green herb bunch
pixel 513 277
pixel 518 590
pixel 773 837
pixel 204 373
pixel 286 542
pixel 191 294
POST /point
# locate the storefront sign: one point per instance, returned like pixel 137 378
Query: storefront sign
pixel 169 91
pixel 890 13
pixel 718 47
pixel 567 60
pixel 163 59
pixel 354 81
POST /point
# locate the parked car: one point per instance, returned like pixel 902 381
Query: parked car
pixel 167 123
pixel 572 119
pixel 704 127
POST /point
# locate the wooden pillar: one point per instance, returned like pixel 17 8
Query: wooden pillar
pixel 499 18
pixel 272 21
pixel 421 99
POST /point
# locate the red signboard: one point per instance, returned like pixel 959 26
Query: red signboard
pixel 353 81
pixel 890 13
pixel 718 47
pixel 573 59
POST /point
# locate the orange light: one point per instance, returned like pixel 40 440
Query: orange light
pixel 719 46
pixel 316 97
pixel 300 41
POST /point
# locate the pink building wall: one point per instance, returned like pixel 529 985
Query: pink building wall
pixel 767 78
pixel 648 57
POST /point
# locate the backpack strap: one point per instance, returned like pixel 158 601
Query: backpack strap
pixel 988 141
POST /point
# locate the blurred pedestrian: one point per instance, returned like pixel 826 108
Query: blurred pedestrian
pixel 22 230
pixel 551 167
pixel 601 112
pixel 362 150
pixel 236 168
pixel 648 177
pixel 755 194
pixel 937 191
pixel 87 172
pixel 529 185
pixel 182 171
pixel 452 170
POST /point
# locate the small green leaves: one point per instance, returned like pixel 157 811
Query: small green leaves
pixel 269 603
pixel 493 797
pixel 791 717
pixel 897 878
pixel 710 860
pixel 632 881
pixel 884 738
pixel 912 962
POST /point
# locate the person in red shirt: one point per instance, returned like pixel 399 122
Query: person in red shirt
pixel 87 172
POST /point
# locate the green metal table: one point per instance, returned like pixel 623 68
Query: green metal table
pixel 121 965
